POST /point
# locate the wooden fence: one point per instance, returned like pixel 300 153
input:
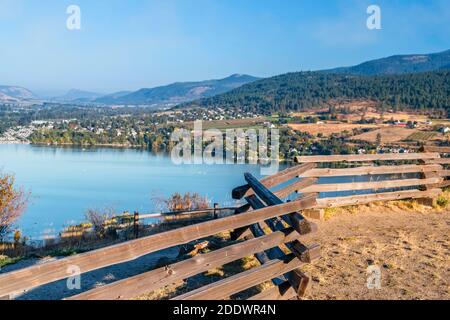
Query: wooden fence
pixel 444 160
pixel 265 226
pixel 379 177
pixel 276 264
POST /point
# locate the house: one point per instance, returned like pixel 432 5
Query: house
pixel 399 123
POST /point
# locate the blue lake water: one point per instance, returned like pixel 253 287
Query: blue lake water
pixel 65 182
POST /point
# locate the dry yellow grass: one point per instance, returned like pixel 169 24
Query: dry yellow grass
pixel 388 134
pixel 387 116
pixel 408 241
pixel 329 128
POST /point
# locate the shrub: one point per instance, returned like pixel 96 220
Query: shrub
pixel 13 202
pixel 98 219
pixel 188 202
pixel 442 201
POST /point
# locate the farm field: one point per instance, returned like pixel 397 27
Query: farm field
pixel 388 134
pixel 387 116
pixel 422 136
pixel 232 124
pixel 442 122
pixel 358 109
pixel 329 128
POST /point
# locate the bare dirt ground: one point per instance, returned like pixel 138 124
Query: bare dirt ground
pixel 412 250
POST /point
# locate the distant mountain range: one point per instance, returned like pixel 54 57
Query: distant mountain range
pixel 182 93
pixel 399 64
pixel 169 95
pixel 15 94
pixel 179 92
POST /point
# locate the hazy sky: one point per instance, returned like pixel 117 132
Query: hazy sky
pixel 129 44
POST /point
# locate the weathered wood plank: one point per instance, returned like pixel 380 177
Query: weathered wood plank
pixel 222 289
pixel 256 203
pixel 159 278
pixel 306 254
pixel 445 184
pixel 281 292
pixel 372 170
pixel 438 161
pixel 436 149
pixel 272 181
pixel 387 196
pixel 444 173
pixel 270 254
pixel 293 187
pixel 367 157
pixel 430 175
pixel 275 224
pixel 301 281
pixel 241 233
pixel 376 185
pixel 295 219
pixel 35 276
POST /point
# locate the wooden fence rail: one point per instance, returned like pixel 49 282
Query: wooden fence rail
pixel 368 157
pixel 444 152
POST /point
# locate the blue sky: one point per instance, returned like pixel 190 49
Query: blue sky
pixel 127 45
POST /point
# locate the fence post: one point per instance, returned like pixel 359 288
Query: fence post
pixel 216 207
pixel 136 224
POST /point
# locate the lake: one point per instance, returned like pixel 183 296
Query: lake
pixel 65 182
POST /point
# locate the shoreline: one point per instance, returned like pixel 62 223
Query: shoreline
pixel 15 142
pixel 106 145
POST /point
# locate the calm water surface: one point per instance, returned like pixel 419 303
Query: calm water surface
pixel 64 182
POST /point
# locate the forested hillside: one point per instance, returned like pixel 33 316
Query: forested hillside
pixel 399 64
pixel 296 91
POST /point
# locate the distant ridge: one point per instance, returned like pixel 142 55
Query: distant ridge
pixel 15 93
pixel 179 92
pixel 399 64
pixel 302 90
pixel 77 95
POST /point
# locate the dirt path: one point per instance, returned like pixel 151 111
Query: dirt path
pixel 412 249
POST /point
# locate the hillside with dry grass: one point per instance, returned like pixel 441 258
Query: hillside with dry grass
pixel 408 241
